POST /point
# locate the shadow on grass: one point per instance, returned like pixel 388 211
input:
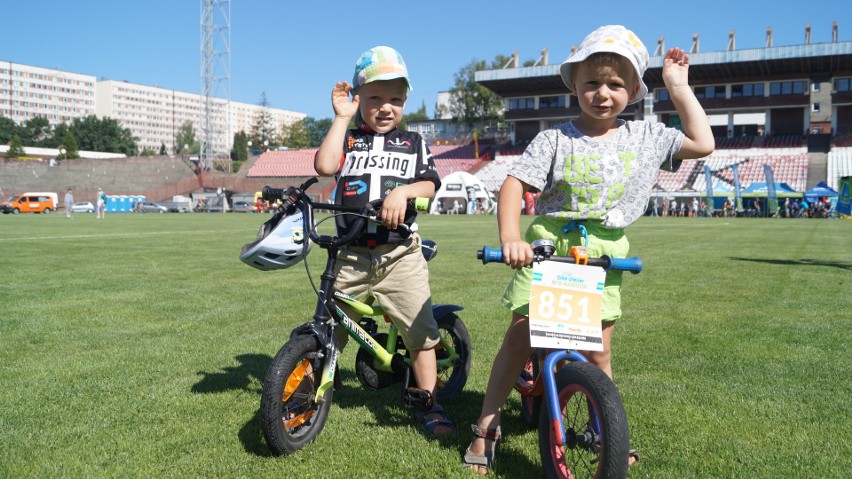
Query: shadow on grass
pixel 385 406
pixel 799 262
pixel 238 378
pixel 234 377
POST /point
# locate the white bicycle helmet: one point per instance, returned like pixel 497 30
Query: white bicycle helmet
pixel 280 243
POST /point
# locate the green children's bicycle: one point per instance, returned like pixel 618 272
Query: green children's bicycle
pixel 300 381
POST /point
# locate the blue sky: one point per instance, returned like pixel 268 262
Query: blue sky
pixel 296 51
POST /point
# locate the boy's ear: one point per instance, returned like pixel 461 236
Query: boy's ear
pixel 635 91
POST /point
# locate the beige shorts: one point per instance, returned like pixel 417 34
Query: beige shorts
pixel 397 277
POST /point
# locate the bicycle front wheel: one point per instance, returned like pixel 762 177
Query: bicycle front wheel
pixel 596 443
pixel 290 416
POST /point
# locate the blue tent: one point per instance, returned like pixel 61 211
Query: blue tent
pixel 760 188
pixel 818 191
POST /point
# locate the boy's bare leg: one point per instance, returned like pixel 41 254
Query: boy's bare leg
pixel 425 367
pixel 508 363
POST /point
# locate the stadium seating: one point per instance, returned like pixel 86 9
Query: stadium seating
pixel 839 164
pixel 284 163
pixel 494 172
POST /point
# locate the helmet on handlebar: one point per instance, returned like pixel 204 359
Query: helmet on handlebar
pixel 280 243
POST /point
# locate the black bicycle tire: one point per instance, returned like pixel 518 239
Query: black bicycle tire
pixel 280 439
pixel 453 383
pixel 609 461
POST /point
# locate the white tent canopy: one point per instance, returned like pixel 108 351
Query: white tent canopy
pixel 462 189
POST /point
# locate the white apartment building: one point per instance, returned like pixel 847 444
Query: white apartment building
pixel 152 114
pixel 28 91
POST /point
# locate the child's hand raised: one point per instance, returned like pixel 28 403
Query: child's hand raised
pixel 675 68
pixel 343 106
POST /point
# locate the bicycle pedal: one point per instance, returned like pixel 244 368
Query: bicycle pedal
pixel 416 398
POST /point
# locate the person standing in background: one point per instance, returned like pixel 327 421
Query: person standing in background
pixel 69 203
pixel 101 204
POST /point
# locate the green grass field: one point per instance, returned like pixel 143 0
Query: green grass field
pixel 135 346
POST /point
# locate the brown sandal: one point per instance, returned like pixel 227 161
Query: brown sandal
pixel 486 460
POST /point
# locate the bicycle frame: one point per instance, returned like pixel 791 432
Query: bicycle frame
pixel 547 375
pixel 328 314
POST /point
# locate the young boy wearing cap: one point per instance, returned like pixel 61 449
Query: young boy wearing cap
pixel 377 160
pixel 596 171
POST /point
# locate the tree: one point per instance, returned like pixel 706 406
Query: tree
pixel 317 130
pixel 72 152
pixel 296 135
pixel 163 149
pixel 262 134
pixel 35 131
pixel 57 136
pixel 8 129
pixel 185 142
pixel 16 149
pixel 147 152
pixel 239 152
pixel 471 102
pixel 419 115
pixel 103 134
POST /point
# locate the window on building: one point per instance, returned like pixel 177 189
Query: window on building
pixel 842 84
pixel 787 88
pixel 707 92
pixel 662 94
pixel 815 107
pixel 746 90
pixel 551 102
pixel 521 103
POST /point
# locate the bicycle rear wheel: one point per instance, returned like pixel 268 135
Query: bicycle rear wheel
pixel 451 380
pixel 587 452
pixel 530 405
pixel 289 415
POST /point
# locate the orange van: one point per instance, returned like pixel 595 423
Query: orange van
pixel 32 203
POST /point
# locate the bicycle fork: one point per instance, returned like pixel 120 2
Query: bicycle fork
pixel 551 395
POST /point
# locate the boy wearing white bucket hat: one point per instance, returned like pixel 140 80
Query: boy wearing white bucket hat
pixel 596 171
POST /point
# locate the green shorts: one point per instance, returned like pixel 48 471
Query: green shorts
pixel 602 241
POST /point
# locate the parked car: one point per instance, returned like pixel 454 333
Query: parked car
pixel 176 206
pixel 32 203
pixel 243 207
pixel 83 207
pixel 6 206
pixel 153 208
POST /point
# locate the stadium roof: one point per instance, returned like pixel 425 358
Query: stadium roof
pixel 819 61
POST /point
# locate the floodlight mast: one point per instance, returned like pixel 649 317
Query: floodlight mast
pixel 215 81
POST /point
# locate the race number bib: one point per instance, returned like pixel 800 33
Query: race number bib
pixel 565 306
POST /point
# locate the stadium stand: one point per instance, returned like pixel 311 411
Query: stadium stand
pixel 494 172
pixel 284 163
pixel 839 165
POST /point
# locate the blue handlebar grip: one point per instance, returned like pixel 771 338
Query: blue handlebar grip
pixel 490 255
pixel 634 264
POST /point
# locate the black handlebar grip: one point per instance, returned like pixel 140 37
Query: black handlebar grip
pixel 271 194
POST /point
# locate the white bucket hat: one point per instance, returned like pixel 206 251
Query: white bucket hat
pixel 615 39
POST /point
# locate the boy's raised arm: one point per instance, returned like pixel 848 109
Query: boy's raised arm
pixel 699 140
pixel 327 159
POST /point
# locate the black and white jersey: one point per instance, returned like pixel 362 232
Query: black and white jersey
pixel 372 165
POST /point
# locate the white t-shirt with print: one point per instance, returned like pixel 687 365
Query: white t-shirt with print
pixel 607 179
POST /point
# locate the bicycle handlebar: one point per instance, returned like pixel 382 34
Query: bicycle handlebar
pixel 633 265
pixel 293 198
